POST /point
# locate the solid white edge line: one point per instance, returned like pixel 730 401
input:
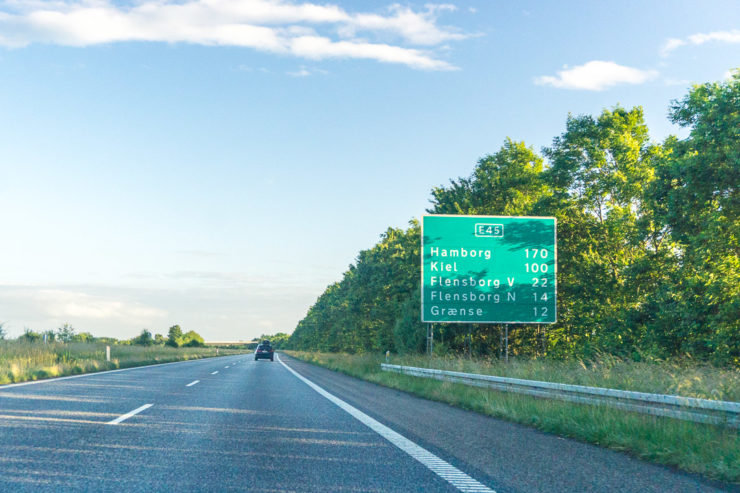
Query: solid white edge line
pixel 192 383
pixel 129 414
pixel 441 468
pixel 95 373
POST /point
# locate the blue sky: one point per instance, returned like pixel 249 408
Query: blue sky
pixel 218 163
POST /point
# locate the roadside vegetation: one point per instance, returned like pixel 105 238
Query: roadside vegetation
pixel 38 355
pixel 648 245
pixel 648 285
pixel 712 451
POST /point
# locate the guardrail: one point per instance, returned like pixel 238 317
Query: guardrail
pixel 685 408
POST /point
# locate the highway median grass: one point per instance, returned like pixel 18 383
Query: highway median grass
pixel 23 361
pixel 709 450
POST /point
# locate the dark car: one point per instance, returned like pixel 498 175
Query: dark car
pixel 264 351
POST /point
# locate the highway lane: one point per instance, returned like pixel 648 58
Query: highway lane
pixel 233 424
pixel 251 426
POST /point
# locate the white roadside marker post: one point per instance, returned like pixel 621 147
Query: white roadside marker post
pixel 107 353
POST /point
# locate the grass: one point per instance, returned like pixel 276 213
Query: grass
pixel 708 450
pixel 23 361
pixel 682 378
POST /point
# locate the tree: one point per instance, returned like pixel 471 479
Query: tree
pixel 174 336
pixel 697 197
pixel 359 313
pixel 648 242
pixel 277 340
pixel 2 331
pixel 192 339
pixel 30 336
pixel 143 339
pixel 83 337
pixel 159 339
pixel 600 169
pixel 509 182
pixel 65 333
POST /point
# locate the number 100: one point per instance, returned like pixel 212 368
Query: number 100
pixel 536 267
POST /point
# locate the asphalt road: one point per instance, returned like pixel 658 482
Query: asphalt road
pixel 247 425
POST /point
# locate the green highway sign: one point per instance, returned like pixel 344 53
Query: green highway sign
pixel 488 269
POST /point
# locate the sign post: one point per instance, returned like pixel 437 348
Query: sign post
pixel 488 269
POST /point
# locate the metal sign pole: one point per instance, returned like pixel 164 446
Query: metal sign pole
pixel 500 343
pixel 544 340
pixel 429 327
pixel 507 341
pixel 431 340
pixel 470 342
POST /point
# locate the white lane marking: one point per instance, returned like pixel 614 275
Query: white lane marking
pixel 96 373
pixel 192 383
pixel 225 366
pixel 129 414
pixel 443 469
pixel 214 372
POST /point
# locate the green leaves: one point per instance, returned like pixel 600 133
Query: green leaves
pixel 648 242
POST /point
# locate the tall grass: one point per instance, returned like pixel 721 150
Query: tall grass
pixel 712 451
pixel 21 361
pixel 685 378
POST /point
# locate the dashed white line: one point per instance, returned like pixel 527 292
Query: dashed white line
pixel 129 414
pixel 225 366
pixel 214 372
pixel 192 383
pixel 443 469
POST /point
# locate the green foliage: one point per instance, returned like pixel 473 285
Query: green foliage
pixel 65 333
pixel 174 336
pixel 360 312
pixel 30 336
pixel 698 200
pixel 278 340
pixel 2 331
pixel 648 244
pixel 192 339
pixel 83 337
pixel 143 339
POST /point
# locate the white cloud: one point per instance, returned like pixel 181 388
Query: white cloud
pixel 305 72
pixel 596 75
pixel 670 45
pixel 699 39
pixel 66 305
pixel 416 27
pixel 43 308
pixel 672 81
pixel 274 26
pixel 319 48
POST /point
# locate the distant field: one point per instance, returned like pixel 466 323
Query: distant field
pixel 712 451
pixel 23 361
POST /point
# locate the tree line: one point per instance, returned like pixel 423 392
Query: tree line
pixel 67 334
pixel 648 243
